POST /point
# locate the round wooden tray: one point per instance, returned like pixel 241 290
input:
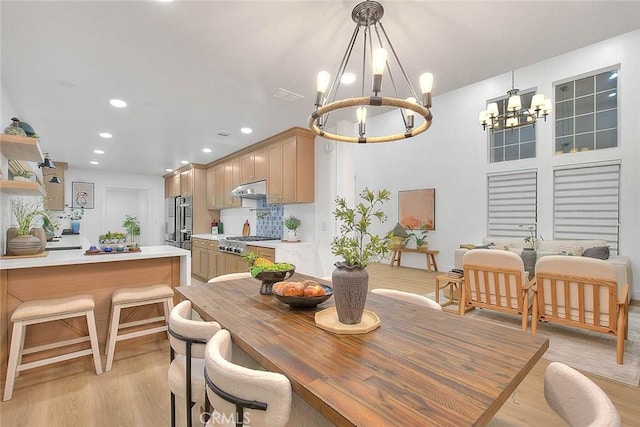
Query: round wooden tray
pixel 327 319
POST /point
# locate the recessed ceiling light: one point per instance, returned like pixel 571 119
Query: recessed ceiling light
pixel 94 162
pixel 118 103
pixel 98 151
pixel 184 162
pixel 348 78
pixel 105 134
pixel 168 170
pixel 246 130
pixel 207 150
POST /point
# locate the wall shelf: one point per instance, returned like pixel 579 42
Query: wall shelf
pixel 21 148
pixel 22 188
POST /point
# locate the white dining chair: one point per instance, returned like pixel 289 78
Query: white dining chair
pixel 576 399
pixel 188 340
pixel 243 394
pixel 408 296
pixel 230 276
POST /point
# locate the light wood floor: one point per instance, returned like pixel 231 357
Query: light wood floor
pixel 135 392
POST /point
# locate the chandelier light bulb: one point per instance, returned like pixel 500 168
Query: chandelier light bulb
pixel 407 111
pixel 483 117
pixel 514 103
pixel 537 102
pixel 492 109
pixel 379 60
pixel 426 85
pixel 323 81
pixel 361 114
pixel 511 122
pixel 548 106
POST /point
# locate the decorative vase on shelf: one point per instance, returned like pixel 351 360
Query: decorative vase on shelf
pixel 75 226
pixel 529 260
pixel 40 234
pixel 350 287
pixel 14 128
pixel 292 235
pixel 24 244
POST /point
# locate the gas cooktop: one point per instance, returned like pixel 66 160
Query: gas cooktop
pixel 251 238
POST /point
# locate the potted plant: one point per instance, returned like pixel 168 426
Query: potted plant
pixel 292 223
pixel 357 245
pixel 529 255
pixel 110 239
pixel 74 215
pixel 25 213
pixel 22 175
pixel 420 236
pixel 132 225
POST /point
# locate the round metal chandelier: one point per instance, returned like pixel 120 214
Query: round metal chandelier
pixel 367 16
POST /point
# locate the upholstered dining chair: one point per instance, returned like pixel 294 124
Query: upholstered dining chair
pixel 583 293
pixel 188 340
pixel 576 399
pixel 496 280
pixel 230 276
pixel 408 296
pixel 243 394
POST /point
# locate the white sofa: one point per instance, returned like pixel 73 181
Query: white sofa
pixel 554 247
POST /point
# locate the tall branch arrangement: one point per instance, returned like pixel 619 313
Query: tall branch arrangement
pixel 355 243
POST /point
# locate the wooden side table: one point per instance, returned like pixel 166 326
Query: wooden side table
pixel 443 282
pixel 432 265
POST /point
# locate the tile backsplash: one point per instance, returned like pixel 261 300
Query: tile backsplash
pixel 269 219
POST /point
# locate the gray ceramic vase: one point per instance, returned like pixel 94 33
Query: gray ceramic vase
pixel 350 287
pixel 529 260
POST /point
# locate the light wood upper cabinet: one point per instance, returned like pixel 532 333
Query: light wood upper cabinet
pixel 216 187
pixel 253 166
pixel 186 183
pixel 232 180
pixel 172 186
pixel 54 200
pixel 290 169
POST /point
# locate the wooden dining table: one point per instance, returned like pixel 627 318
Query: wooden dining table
pixel 420 367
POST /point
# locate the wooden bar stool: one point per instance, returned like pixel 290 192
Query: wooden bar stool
pixel 136 297
pixel 49 310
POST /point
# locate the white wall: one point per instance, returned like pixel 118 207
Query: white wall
pixel 105 218
pixel 452 155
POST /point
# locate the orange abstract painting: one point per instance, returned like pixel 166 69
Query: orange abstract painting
pixel 417 208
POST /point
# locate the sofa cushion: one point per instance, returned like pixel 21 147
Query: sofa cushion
pixel 600 252
pixel 571 250
pixel 555 245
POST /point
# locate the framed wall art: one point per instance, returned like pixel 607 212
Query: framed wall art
pixel 417 208
pixel 82 195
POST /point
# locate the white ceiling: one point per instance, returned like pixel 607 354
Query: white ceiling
pixel 191 69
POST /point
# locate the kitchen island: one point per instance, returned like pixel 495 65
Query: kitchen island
pixel 71 272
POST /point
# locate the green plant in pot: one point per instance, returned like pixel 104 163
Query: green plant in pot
pixel 25 212
pixel 292 223
pixel 132 225
pixel 357 245
pixel 419 235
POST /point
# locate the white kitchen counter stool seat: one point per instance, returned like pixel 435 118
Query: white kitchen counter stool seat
pixel 136 297
pixel 230 276
pixel 49 310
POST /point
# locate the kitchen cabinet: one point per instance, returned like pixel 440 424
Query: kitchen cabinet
pixel 233 264
pixel 231 180
pixel 54 200
pixel 267 253
pixel 216 195
pixel 15 147
pixel 186 183
pixel 194 184
pixel 253 166
pixel 290 168
pixel 206 260
pixel 172 186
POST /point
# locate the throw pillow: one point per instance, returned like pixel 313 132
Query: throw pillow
pixel 600 252
pixel 571 250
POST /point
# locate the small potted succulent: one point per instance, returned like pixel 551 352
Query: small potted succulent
pixel 22 176
pixel 292 223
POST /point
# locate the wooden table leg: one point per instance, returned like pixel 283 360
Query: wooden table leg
pixel 395 257
pixel 433 261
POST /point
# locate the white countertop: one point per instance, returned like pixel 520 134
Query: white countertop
pixel 77 256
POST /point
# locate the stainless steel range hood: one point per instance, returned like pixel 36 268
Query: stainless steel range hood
pixel 255 190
